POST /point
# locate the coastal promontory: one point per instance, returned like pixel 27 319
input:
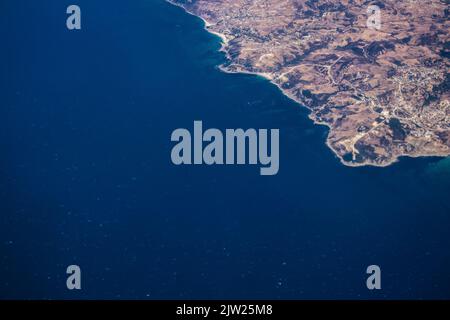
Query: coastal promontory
pixel 375 72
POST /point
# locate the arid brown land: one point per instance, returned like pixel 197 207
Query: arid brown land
pixel 383 90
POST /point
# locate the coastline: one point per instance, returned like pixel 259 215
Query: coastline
pixel 224 43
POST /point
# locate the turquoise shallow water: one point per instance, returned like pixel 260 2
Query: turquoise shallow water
pixel 86 176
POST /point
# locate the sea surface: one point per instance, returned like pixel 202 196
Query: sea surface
pixel 86 176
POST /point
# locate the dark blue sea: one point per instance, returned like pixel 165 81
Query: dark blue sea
pixel 86 176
